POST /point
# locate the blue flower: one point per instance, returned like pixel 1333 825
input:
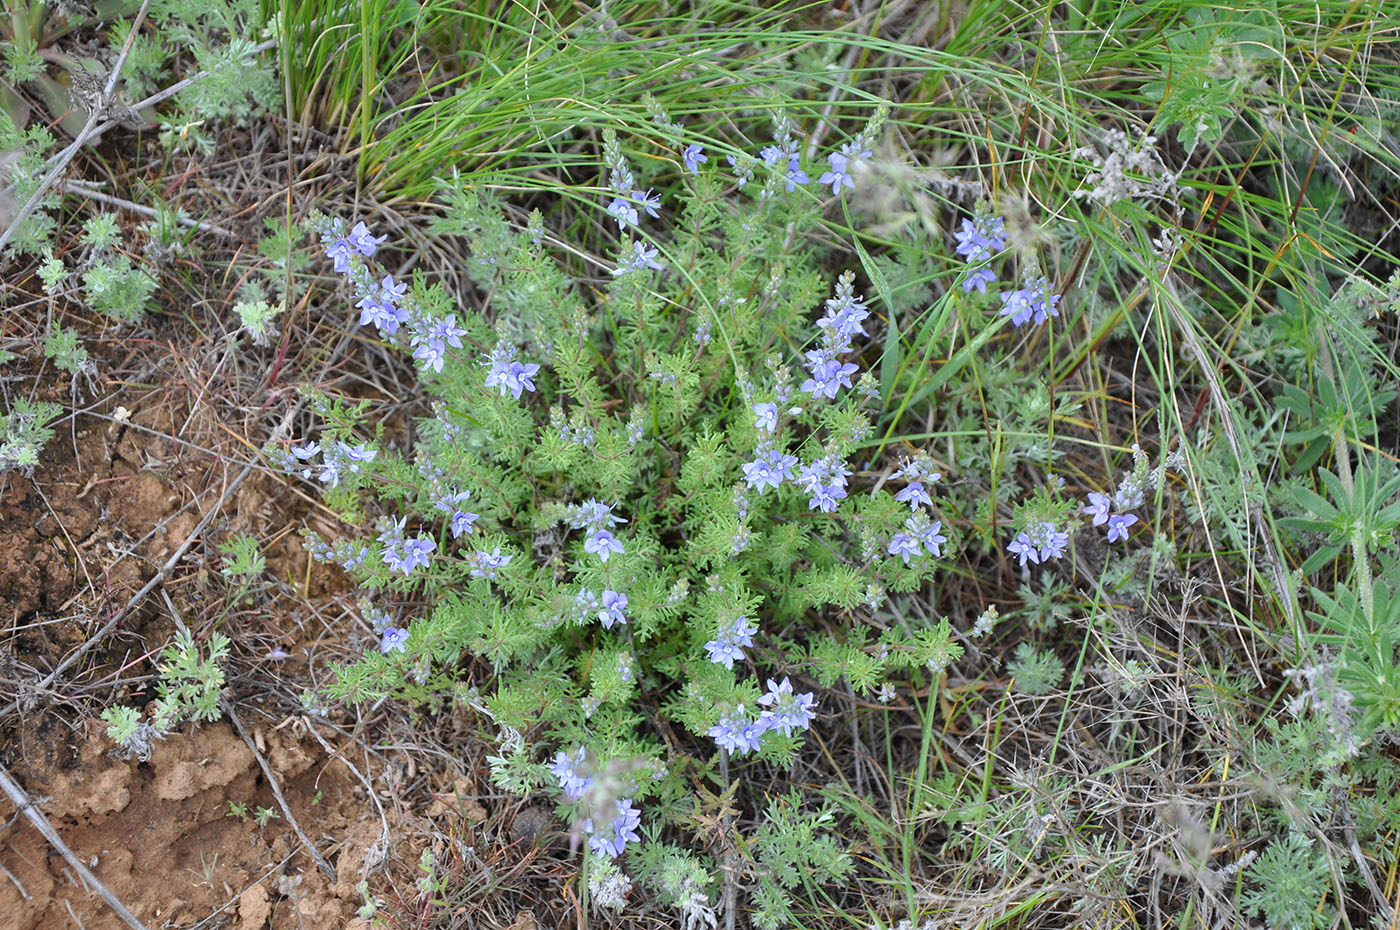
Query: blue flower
pixel 825 498
pixel 918 468
pixel 1023 547
pixel 741 633
pixel 766 417
pixel 795 176
pixel 844 314
pixel 407 555
pixel 725 649
pixel 392 290
pixel 758 474
pixel 446 501
pixel 511 377
pixel 382 313
pixel 825 479
pixel 649 202
pixel 356 454
pixel 787 711
pixel 1052 542
pixel 979 278
pixel 838 173
pixel 1098 508
pixel 432 343
pixel 610 839
pixel 339 251
pixel 462 522
pixel 737 733
pixel 393 640
pixel 566 768
pixel 1031 302
pixel 828 374
pixel 603 544
pixel 485 564
pixel 770 469
pixel 301 454
pixel 979 239
pixel 643 256
pixel 904 545
pixel 1017 305
pixel 392 534
pixel 594 514
pixel 363 241
pixel 855 151
pixel 343 458
pixel 1039 542
pixel 914 495
pixel 1118 526
pixel 612 608
pixel 693 156
pixel 723 652
pixel 621 209
pixel 932 539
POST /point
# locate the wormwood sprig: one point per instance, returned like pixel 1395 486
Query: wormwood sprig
pixel 26 430
pixel 190 688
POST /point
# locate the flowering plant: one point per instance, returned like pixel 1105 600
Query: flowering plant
pixel 660 503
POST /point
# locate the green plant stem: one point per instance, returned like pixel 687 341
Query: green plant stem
pixel 1361 562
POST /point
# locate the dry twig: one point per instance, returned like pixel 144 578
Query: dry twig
pixel 31 811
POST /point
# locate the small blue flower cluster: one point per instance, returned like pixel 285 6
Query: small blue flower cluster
pixel 1031 302
pixel 609 607
pixel 568 769
pixel 345 553
pixel 402 554
pixel 387 306
pixel 634 255
pixel 507 373
pixel 843 163
pixel 725 649
pixel 1118 523
pixel 609 838
pixel 605 837
pixel 1039 542
pixel 825 477
pixel 485 564
pixel 921 532
pixel 1130 493
pixel 784 711
pixel 338 459
pixel 979 239
pixel 597 518
pixel 784 156
pixel 842 322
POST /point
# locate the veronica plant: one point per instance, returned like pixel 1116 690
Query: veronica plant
pixel 640 489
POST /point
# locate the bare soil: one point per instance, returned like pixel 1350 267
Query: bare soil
pixel 117 493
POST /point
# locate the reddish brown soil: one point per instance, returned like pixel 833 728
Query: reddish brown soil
pixel 163 842
pixel 107 507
